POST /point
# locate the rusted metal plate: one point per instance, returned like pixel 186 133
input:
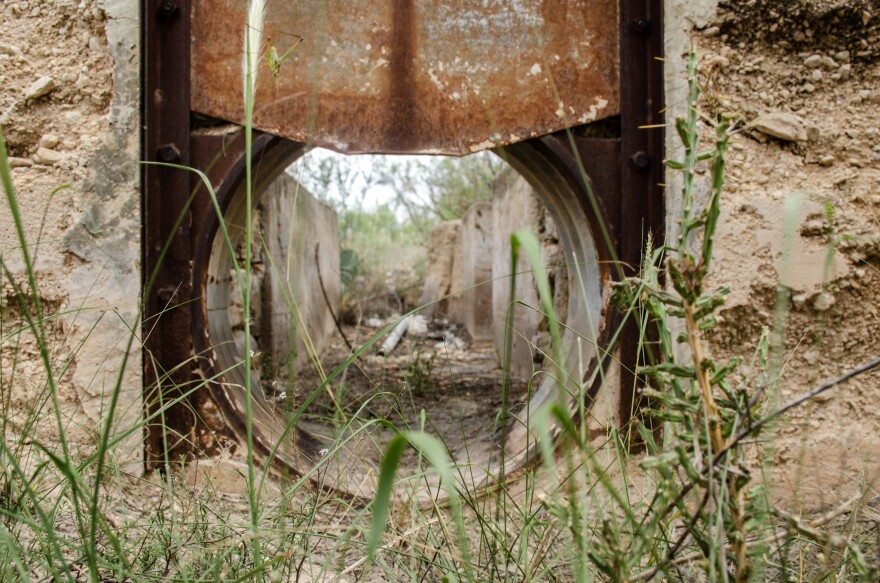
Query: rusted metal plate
pixel 415 76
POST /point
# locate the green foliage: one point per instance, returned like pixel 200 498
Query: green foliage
pixel 375 233
pixel 390 257
pixel 443 188
pixel 422 190
pixel 435 452
pixel 349 266
pixel 386 207
pixel 698 412
pixel 419 373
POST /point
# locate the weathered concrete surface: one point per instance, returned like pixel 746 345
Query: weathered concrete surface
pixel 300 234
pixel 107 238
pixel 472 275
pixel 83 132
pixel 680 18
pixel 442 244
pixel 513 209
pixel 454 306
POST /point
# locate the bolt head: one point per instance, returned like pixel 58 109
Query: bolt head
pixel 168 153
pixel 165 295
pixel 641 26
pixel 168 8
pixel 640 159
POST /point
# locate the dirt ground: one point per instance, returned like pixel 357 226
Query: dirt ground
pixel 801 222
pixel 456 383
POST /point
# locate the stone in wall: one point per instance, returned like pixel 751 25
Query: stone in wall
pixel 472 273
pixel 300 234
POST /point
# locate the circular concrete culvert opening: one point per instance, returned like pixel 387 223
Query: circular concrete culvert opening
pixel 334 275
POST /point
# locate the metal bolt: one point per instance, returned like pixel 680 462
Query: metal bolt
pixel 642 27
pixel 168 153
pixel 167 8
pixel 165 295
pixel 641 159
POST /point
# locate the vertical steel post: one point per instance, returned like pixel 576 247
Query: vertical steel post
pixel 167 250
pixel 642 143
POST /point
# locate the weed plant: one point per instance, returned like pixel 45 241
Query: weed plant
pixel 693 506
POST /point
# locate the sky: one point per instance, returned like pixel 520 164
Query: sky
pixel 359 168
pixel 359 174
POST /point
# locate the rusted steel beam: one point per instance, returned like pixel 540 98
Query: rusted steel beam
pixel 167 249
pixel 599 160
pixel 406 76
pixel 642 143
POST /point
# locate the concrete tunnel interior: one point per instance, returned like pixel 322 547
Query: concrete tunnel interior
pixel 323 370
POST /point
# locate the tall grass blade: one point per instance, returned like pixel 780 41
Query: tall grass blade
pixel 435 452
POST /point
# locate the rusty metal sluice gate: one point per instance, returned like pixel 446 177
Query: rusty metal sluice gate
pixel 560 89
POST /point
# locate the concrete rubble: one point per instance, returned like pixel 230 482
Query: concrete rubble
pixel 469 274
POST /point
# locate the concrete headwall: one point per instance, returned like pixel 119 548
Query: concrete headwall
pixel 300 263
pixel 472 272
pixel 69 110
pixel 481 254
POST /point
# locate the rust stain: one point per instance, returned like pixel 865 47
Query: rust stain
pixel 401 105
pixel 426 76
